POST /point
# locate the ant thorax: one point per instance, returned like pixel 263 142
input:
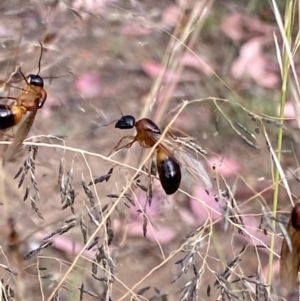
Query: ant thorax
pixel 30 97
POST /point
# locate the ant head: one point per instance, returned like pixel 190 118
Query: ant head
pixel 126 122
pixel 35 80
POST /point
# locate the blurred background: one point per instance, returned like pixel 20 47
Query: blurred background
pixel 102 59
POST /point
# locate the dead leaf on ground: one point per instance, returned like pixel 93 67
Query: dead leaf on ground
pixel 172 15
pixel 239 26
pixel 254 64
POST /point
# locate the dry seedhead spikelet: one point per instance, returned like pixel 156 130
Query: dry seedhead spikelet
pixel 244 292
pixel 109 231
pixel 6 268
pixel 35 208
pixel 102 178
pixel 84 291
pixel 265 221
pixel 88 193
pixel 244 289
pixel 83 229
pixel 34 252
pixel 93 213
pixel 245 134
pixel 93 243
pixel 125 197
pixel 41 271
pixel 29 166
pixel 245 283
pixel 67 190
pixel 64 229
pixel 191 248
pixel 7 293
pixel 190 290
pixel 228 270
pixel 157 294
pixel 229 209
pixel 49 239
pixel 107 271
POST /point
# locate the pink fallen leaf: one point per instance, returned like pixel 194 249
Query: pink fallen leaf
pixel 185 3
pixel 158 233
pixel 153 70
pixel 88 85
pixel 159 206
pixel 64 244
pixel 224 166
pixel 239 26
pixel 171 15
pixel 253 234
pixel 134 29
pixel 187 217
pixel 185 122
pixel 204 205
pixel 196 62
pixel 231 26
pixel 152 211
pixel 71 247
pixel 253 63
pixel 5 31
pixel 263 187
pixel 85 7
pixel 289 110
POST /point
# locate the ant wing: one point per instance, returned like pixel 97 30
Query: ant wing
pixel 19 137
pixel 180 152
pixel 15 78
pixel 194 167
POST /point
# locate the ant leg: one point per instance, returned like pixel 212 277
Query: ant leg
pixel 8 97
pixel 23 75
pixel 42 98
pixel 128 145
pixel 116 148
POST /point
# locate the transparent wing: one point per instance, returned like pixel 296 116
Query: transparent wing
pixel 195 168
pixel 188 155
pixel 19 137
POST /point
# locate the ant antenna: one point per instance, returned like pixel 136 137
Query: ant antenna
pixel 70 73
pixel 103 125
pixel 106 124
pixel 118 107
pixel 24 77
pixel 40 59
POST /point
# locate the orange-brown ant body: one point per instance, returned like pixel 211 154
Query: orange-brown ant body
pixel 168 165
pixel 289 256
pixel 31 99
